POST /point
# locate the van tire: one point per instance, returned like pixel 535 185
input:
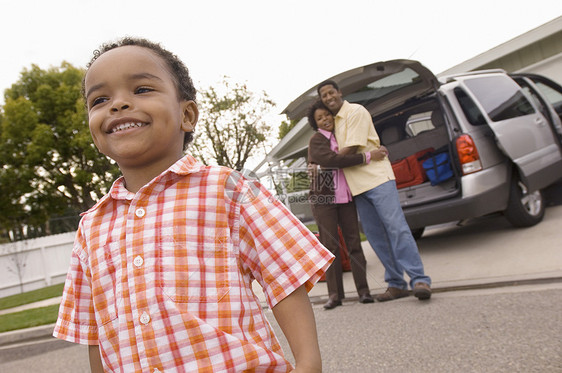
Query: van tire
pixel 524 209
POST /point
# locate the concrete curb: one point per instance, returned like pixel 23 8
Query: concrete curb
pixel 497 282
pixel 26 335
pixel 465 285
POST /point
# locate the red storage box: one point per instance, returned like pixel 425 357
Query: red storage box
pixel 409 171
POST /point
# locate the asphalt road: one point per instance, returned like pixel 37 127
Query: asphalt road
pixel 513 329
pixel 507 329
pixel 501 329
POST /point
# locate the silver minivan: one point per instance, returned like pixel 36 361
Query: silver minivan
pixel 500 134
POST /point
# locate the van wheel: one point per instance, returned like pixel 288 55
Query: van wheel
pixel 524 209
pixel 417 233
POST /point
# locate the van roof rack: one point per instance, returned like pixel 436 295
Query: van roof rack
pixel 450 78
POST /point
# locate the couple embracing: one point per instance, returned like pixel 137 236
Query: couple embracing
pixel 348 150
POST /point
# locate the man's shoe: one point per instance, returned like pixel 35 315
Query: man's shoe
pixel 331 304
pixel 392 293
pixel 366 298
pixel 422 291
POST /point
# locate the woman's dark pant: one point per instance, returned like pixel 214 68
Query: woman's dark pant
pixel 328 217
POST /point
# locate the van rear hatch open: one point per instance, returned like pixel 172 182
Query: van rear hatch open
pixel 384 83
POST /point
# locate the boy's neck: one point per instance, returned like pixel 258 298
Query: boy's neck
pixel 137 177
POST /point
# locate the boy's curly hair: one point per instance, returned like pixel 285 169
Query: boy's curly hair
pixel 182 80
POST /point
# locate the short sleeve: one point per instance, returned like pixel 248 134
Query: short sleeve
pixel 76 320
pixel 278 249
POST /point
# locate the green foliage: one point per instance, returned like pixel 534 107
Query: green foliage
pixel 286 127
pixel 232 124
pixel 49 165
pixel 31 296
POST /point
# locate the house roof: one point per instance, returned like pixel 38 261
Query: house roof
pixel 520 42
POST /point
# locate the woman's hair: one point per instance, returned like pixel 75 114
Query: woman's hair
pixel 180 73
pixel 311 110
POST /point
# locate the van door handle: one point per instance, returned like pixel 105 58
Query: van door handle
pixel 540 122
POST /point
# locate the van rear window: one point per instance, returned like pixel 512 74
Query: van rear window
pixel 383 87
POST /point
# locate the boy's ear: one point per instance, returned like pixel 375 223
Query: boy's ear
pixel 190 115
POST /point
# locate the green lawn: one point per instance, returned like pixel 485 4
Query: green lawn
pixel 31 296
pixel 29 318
pixel 312 227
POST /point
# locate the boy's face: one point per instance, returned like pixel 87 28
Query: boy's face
pixel 135 115
pixel 324 119
pixel 331 97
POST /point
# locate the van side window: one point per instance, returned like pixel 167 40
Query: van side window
pixel 551 94
pixel 534 97
pixel 469 108
pixel 418 123
pixel 500 97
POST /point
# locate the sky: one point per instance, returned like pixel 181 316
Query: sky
pixel 279 47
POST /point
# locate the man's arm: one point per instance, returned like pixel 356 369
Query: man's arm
pixel 96 365
pixel 295 317
pixel 348 150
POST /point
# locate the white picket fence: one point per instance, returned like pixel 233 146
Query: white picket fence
pixel 33 264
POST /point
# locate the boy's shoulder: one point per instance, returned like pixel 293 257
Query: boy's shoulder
pixel 103 200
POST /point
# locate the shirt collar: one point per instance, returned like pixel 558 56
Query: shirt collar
pixel 184 166
pixel 328 134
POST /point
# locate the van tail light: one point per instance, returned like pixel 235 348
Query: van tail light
pixel 468 155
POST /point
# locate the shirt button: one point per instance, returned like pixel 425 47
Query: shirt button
pixel 140 212
pixel 144 319
pixel 138 261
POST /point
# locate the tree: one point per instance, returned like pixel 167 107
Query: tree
pixel 17 252
pixel 49 165
pixel 232 124
pixel 286 127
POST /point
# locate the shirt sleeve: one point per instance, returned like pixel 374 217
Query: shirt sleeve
pixel 358 125
pixel 279 250
pixel 367 157
pixel 76 320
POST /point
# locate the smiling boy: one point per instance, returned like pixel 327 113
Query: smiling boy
pixel 162 266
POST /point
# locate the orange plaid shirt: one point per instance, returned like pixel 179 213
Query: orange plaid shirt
pixel 161 279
